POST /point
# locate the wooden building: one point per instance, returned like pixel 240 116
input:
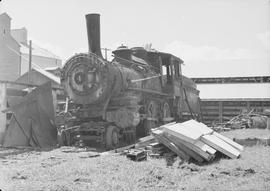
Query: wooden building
pixel 14 52
pixel 10 61
pixel 41 57
pixel 224 98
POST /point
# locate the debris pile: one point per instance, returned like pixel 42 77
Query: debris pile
pixel 137 155
pixel 248 120
pixel 192 141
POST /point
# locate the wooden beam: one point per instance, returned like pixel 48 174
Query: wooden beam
pixel 220 111
pixel 183 147
pixel 190 137
pixel 162 139
pixel 221 146
pixel 229 141
pixel 248 105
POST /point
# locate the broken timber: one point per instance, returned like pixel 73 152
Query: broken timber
pixel 158 134
pixel 186 148
pixel 221 146
pixel 192 139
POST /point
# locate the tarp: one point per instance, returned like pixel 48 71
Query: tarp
pixel 32 122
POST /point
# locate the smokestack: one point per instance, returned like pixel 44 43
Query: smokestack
pixel 93 33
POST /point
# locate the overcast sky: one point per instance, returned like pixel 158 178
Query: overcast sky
pixel 213 37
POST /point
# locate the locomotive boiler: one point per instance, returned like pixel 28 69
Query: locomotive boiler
pixel 114 102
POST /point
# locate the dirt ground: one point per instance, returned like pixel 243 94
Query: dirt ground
pixel 65 168
pixel 248 133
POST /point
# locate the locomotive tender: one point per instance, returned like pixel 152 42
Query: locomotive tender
pixel 118 101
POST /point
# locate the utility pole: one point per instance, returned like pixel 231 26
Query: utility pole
pixel 30 61
pixel 106 51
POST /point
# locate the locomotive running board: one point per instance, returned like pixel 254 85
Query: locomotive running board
pixel 149 91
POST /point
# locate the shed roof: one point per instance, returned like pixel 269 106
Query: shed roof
pixel 44 73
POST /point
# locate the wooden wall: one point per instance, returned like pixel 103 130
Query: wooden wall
pixel 220 111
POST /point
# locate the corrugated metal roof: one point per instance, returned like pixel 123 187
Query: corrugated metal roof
pixel 234 91
pixel 48 74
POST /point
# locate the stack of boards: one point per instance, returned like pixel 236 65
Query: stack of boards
pixel 195 140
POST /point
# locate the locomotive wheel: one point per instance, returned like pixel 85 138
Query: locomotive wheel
pixel 112 137
pixel 152 116
pixel 166 113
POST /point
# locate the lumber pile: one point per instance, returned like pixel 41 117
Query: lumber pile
pixel 194 140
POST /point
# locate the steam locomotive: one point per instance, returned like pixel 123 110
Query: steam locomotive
pixel 113 103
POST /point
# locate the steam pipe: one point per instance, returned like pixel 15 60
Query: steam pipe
pixel 93 33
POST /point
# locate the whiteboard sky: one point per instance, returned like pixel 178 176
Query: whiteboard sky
pixel 213 37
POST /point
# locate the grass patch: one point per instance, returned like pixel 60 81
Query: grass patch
pixel 57 171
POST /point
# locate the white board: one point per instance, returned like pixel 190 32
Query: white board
pixel 221 146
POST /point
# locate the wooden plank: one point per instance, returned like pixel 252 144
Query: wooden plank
pixel 197 126
pixel 144 141
pixel 205 147
pixel 221 146
pixel 229 141
pixel 197 147
pixel 162 139
pixel 185 148
pixel 189 135
pixel 183 132
pixel 189 131
pixel 220 106
pixel 166 125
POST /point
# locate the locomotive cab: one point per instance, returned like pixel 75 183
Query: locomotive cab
pixel 171 72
